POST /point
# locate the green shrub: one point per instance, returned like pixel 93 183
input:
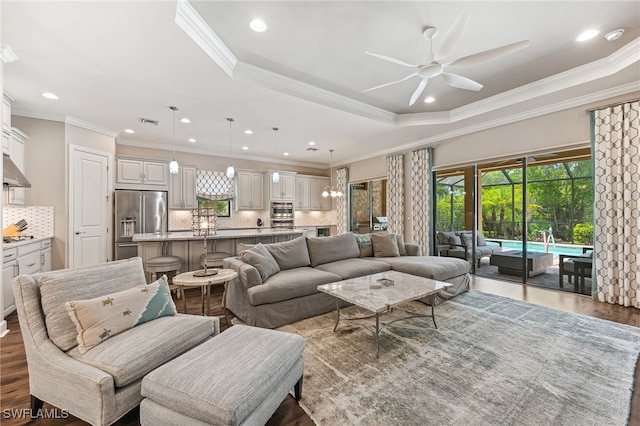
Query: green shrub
pixel 583 233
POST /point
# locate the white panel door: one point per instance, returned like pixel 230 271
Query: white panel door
pixel 90 207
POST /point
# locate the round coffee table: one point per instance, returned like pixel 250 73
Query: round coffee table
pixel 187 279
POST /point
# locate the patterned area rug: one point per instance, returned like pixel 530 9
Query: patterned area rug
pixel 492 360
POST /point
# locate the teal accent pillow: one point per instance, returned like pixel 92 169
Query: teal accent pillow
pixel 103 317
pixel 364 244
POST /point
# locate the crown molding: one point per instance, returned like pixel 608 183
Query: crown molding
pixel 290 86
pixel 38 115
pixel 547 109
pixel 192 23
pixel 89 126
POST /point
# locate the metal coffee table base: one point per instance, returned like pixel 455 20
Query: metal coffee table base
pixel 379 329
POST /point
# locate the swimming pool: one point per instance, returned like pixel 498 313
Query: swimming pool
pixel 537 246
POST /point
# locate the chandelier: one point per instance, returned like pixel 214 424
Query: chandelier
pixel 330 190
pixel 173 165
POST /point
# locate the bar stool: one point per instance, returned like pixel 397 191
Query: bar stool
pixel 213 259
pixel 164 263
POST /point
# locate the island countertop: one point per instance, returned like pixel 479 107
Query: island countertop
pixel 220 234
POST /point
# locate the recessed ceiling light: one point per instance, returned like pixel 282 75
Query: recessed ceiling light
pixel 614 35
pixel 248 132
pixel 258 25
pixel 286 154
pixel 429 99
pixel 50 95
pixel 129 131
pixel 245 148
pixel 192 140
pixel 185 120
pixel 312 143
pixel 587 35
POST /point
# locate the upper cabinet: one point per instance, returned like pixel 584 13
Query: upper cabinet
pixel 142 174
pixel 17 140
pixel 284 189
pixel 6 125
pixel 303 193
pixel 249 195
pixel 182 189
pixel 317 201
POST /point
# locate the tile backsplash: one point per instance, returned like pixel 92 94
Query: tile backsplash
pixel 180 220
pixel 39 219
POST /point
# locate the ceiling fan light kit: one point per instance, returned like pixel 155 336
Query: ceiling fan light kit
pixel 433 65
pixel 173 165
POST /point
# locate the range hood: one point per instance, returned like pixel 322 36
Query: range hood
pixel 12 176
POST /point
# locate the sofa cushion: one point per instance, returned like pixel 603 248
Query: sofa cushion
pixel 434 267
pixel 401 247
pixel 101 318
pixel 132 354
pixel 260 258
pixel 290 254
pixel 444 237
pixel 329 249
pixel 364 244
pixel 467 240
pixel 481 241
pixel 455 241
pixel 351 268
pixel 59 287
pixel 290 284
pixel 384 245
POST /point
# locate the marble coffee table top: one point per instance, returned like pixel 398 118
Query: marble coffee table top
pixel 366 292
pixel 188 279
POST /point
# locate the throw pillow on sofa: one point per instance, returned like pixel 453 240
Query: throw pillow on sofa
pixel 385 245
pixel 331 249
pixel 401 248
pixel 103 317
pixel 290 254
pixel 364 244
pixel 260 258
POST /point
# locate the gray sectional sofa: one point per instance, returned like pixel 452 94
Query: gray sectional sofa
pixel 280 287
pixel 459 244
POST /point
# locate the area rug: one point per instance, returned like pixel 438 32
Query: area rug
pixel 491 361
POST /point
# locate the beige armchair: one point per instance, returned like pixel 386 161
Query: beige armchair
pixel 103 384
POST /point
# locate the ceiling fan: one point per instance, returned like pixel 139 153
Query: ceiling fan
pixel 433 65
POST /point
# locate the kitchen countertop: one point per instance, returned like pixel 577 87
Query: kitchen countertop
pixel 220 234
pixel 6 246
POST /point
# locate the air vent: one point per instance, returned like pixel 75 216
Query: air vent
pixel 312 149
pixel 148 121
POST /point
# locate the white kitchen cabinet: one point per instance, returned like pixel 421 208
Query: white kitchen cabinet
pixel 284 189
pixel 16 152
pixel 45 256
pixel 249 187
pixel 9 272
pixel 303 193
pixel 6 125
pixel 317 201
pixel 135 173
pixel 182 189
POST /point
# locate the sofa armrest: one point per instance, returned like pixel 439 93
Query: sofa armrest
pixel 247 274
pixel 498 242
pixel 413 250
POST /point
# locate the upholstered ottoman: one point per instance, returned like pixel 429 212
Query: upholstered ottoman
pixel 239 377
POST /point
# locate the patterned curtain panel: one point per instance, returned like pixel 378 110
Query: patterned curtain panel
pixel 341 202
pixel 421 198
pixel 395 193
pixel 617 204
pixel 215 186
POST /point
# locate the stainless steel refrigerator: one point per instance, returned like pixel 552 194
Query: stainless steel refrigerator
pixel 137 212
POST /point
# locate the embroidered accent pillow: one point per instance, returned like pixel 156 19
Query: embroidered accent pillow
pixel 98 319
pixel 364 244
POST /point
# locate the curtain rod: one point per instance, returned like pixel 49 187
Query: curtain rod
pixel 610 105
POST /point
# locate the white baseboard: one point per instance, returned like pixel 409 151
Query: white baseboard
pixel 3 328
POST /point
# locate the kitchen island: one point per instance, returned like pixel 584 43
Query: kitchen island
pixel 190 247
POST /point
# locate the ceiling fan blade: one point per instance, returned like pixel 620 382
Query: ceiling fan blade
pixel 418 91
pixel 453 36
pixel 390 59
pixel 487 55
pixel 460 82
pixel 389 84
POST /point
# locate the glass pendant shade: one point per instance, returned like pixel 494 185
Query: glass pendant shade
pixel 325 193
pixel 275 177
pixel 330 190
pixel 173 167
pixel 231 172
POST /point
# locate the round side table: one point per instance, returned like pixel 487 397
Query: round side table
pixel 187 279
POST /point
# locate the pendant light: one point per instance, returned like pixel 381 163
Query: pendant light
pixel 230 170
pixel 173 165
pixel 330 190
pixel 275 176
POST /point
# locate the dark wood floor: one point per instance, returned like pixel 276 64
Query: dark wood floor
pixel 14 389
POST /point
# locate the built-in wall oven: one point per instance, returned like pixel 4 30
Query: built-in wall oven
pixel 282 215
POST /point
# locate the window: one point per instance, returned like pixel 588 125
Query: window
pixel 214 190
